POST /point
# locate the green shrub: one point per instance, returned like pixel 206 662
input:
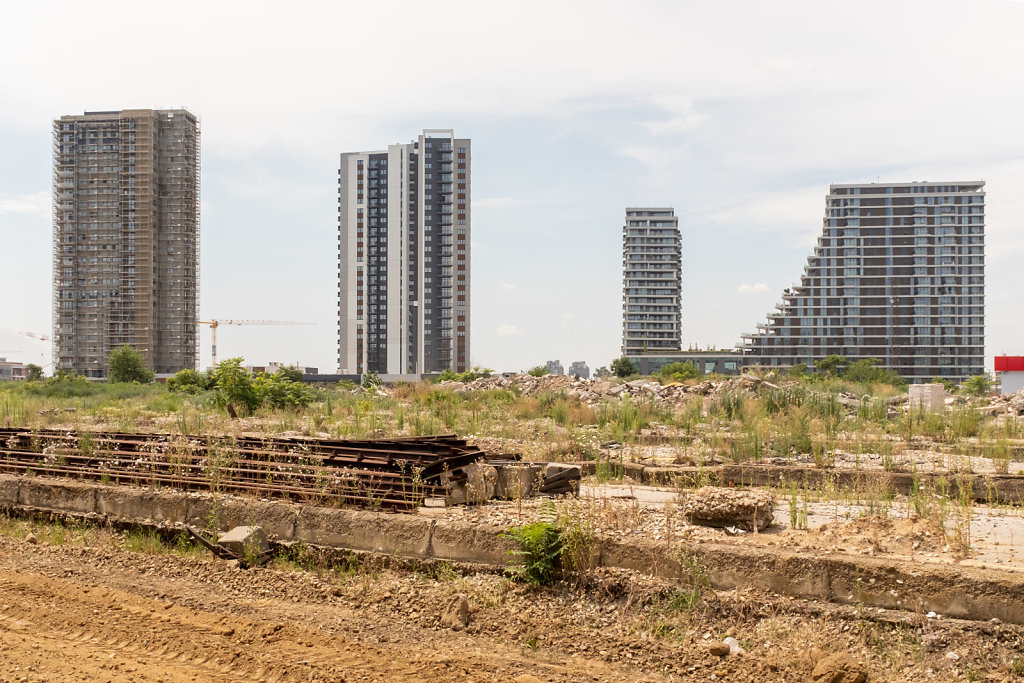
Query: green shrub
pixel 234 385
pixel 190 382
pixel 866 370
pixel 537 371
pixel 678 372
pixel 979 385
pixel 127 365
pixel 623 367
pixel 277 391
pixel 540 547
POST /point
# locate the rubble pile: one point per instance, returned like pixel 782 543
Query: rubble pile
pixel 593 391
pixel 1008 404
pixel 748 509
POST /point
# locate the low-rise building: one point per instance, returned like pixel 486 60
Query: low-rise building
pixel 12 370
pixel 723 362
pixel 1010 371
pixel 554 367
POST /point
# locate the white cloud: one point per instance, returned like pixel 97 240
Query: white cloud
pixel 35 204
pixel 507 287
pixel 750 289
pixel 506 330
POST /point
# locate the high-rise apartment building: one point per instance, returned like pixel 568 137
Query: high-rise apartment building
pixel 404 253
pixel 651 281
pixel 898 274
pixel 125 238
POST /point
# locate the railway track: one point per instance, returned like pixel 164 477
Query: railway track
pixel 394 473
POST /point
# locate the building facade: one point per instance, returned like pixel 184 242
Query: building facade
pixel 554 367
pixel 651 281
pixel 404 255
pixel 578 368
pixel 898 274
pixel 125 238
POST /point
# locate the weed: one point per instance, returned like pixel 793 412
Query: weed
pixel 540 547
pixel 144 541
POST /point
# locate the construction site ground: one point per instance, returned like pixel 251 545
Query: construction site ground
pixel 80 602
pixel 89 610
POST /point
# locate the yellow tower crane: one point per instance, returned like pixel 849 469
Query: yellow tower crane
pixel 215 323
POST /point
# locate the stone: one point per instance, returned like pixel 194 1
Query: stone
pixel 718 648
pixel 716 506
pixel 245 541
pixel 31 538
pixel 456 615
pixel 839 668
pixel 526 678
pixel 734 646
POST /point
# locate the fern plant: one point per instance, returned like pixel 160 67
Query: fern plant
pixel 540 547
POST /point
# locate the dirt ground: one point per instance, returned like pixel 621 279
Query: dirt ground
pixel 90 610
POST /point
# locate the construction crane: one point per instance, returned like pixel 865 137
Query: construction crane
pixel 40 337
pixel 215 323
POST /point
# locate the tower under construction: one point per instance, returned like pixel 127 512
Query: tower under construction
pixel 125 238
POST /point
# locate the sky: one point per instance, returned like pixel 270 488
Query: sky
pixel 737 113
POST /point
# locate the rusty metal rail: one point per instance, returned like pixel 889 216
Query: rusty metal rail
pixel 395 473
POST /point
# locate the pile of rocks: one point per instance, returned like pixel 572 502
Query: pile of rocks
pixel 1009 404
pixel 594 391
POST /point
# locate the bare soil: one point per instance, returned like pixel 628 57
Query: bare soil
pixel 99 612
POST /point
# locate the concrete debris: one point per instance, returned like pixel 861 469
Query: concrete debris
pixel 839 668
pixel 1008 404
pixel 456 616
pixel 749 509
pixel 245 541
pixel 593 391
pixel 31 538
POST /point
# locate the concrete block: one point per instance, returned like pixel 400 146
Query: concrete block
pixel 928 397
pixel 517 481
pixel 477 488
pixel 245 541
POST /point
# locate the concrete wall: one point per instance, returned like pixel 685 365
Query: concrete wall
pixel 957 592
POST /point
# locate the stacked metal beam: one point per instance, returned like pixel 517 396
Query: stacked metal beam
pixel 394 473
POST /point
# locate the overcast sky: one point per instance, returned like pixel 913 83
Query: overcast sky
pixel 738 114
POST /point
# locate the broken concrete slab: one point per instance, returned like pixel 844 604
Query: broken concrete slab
pixel 750 509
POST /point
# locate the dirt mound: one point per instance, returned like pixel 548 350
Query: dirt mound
pixel 885 534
